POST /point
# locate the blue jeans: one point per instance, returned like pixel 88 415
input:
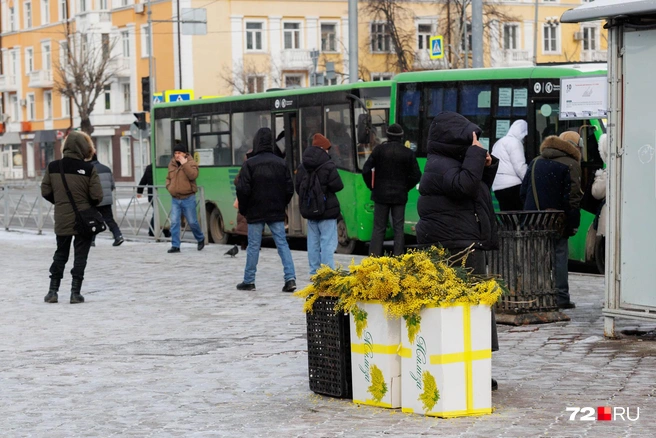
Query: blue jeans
pixel 560 269
pixel 253 251
pixel 187 207
pixel 321 243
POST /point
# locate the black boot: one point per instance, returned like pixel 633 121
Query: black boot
pixel 75 291
pixel 52 292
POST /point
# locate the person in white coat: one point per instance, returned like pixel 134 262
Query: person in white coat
pixel 512 167
pixel 599 186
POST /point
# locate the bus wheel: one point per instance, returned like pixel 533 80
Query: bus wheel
pixel 345 245
pixel 215 226
pixel 600 254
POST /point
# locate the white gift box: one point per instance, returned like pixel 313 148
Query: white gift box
pixel 451 352
pixel 375 363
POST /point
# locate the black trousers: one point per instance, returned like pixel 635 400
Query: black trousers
pixel 108 216
pixel 81 247
pixel 477 262
pixel 381 214
pixel 509 199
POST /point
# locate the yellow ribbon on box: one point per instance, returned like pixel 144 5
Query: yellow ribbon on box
pixel 375 348
pixel 467 357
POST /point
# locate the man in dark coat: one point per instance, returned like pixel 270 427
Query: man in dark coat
pixel 322 229
pixel 264 189
pixel 105 206
pixel 455 204
pixel 557 175
pixel 84 184
pixel 390 172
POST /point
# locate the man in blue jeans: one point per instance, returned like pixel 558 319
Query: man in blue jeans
pixel 264 189
pixel 181 184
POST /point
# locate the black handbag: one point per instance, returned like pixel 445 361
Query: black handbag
pixel 88 222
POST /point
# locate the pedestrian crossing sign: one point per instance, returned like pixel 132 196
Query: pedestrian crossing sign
pixel 178 95
pixel 158 98
pixel 437 47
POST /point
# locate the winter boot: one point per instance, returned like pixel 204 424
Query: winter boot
pixel 52 292
pixel 76 286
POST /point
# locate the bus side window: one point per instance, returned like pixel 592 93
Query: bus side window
pixel 163 142
pixel 339 132
pixel 244 127
pixel 310 125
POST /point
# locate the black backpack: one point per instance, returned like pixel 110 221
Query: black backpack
pixel 312 200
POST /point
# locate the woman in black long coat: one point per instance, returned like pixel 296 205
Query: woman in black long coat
pixel 455 204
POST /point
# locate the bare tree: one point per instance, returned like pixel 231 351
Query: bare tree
pixel 236 76
pixel 86 66
pixel 395 34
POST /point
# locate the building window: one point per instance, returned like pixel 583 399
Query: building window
pixel 467 38
pixel 253 36
pixel 550 38
pixel 255 84
pixel 12 19
pixel 63 10
pixel 46 57
pixel 47 105
pixel 15 68
pixel 127 97
pixel 380 39
pixel 29 59
pixel 15 109
pixel 510 32
pixel 126 156
pixel 28 15
pixel 102 4
pixel 84 42
pixel 589 38
pixel 328 38
pixel 45 11
pixel 66 109
pixel 381 76
pixel 145 42
pixel 31 110
pixel 293 81
pixel 292 36
pixel 63 52
pixel 424 33
pixel 125 39
pixel 105 45
pixel 108 97
pixel 83 5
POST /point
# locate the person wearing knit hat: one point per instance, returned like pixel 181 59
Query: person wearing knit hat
pixel 181 184
pixel 553 182
pixel 319 171
pixel 390 172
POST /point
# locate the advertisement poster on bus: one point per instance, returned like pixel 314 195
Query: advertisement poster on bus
pixel 583 97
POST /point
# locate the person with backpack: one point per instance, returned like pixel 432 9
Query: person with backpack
pixel 105 206
pixel 390 172
pixel 317 181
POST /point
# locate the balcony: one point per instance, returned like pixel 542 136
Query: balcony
pixel 8 83
pixel 120 66
pixel 423 61
pixel 92 19
pixel 594 56
pixel 298 59
pixel 41 79
pixel 516 57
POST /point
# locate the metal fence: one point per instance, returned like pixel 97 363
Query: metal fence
pixel 138 216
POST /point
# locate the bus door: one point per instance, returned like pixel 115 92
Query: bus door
pixel 286 144
pixel 181 132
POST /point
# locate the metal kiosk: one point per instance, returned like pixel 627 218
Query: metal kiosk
pixel 631 182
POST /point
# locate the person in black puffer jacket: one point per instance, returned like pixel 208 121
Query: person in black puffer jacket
pixel 322 230
pixel 390 172
pixel 264 189
pixel 105 206
pixel 455 204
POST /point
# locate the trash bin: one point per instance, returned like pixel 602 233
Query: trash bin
pixel 525 260
pixel 329 350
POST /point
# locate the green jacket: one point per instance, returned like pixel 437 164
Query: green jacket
pixel 82 179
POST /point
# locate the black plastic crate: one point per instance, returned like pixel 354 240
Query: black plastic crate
pixel 329 350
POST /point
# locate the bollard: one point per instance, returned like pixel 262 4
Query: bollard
pixel 525 260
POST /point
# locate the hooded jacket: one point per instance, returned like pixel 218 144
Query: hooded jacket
pixel 82 180
pixel 557 181
pixel 510 152
pixel 181 179
pixel 317 159
pixel 265 186
pixel 106 181
pixel 396 173
pixel 455 204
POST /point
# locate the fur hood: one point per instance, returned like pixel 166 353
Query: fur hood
pixel 556 143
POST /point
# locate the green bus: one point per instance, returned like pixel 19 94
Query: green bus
pixel 219 132
pixel 494 98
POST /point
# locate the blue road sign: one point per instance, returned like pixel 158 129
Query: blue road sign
pixel 158 98
pixel 437 46
pixel 178 95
